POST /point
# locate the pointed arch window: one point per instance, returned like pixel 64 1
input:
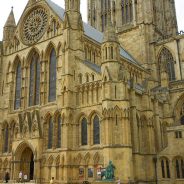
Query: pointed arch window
pixel 96 130
pixel 52 76
pixel 50 133
pixel 165 168
pixel 166 63
pixel 59 122
pixel 84 134
pixel 34 85
pixel 179 164
pixel 127 11
pixel 6 139
pixel 18 87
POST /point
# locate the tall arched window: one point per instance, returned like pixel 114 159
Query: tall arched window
pixel 34 85
pixel 6 138
pixel 52 76
pixel 127 11
pixel 18 87
pixel 166 63
pixel 50 133
pixel 96 130
pixel 84 133
pixel 179 164
pixel 105 6
pixel 165 168
pixel 59 131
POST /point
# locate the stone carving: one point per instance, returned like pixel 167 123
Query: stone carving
pixel 34 25
pixel 109 173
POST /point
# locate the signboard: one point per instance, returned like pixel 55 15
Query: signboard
pixel 90 172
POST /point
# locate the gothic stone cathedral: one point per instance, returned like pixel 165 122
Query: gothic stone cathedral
pixel 75 96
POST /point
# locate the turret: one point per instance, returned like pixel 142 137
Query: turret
pixel 9 27
pixel 111 50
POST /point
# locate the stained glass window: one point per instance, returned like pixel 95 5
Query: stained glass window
pixel 84 134
pixel 50 133
pixel 18 87
pixel 52 76
pixel 34 87
pixel 59 131
pixel 96 130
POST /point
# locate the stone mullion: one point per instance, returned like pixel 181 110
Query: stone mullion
pixel 43 82
pixel 23 91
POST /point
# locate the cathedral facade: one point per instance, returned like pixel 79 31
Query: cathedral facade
pixel 75 96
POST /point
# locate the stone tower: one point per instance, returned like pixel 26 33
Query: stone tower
pixel 137 22
pixel 9 28
pixel 114 104
pixel 72 49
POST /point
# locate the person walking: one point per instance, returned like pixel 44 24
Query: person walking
pixel 118 181
pixel 52 180
pixel 20 176
pixel 7 177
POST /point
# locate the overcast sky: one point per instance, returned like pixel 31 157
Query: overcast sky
pixel 19 6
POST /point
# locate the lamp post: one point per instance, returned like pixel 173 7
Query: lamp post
pixel 155 164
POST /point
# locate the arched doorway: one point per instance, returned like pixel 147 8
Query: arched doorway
pixel 27 163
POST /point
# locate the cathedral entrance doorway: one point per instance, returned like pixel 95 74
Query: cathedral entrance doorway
pixel 27 163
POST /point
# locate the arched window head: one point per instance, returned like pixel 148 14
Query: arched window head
pixel 50 133
pixel 165 168
pixel 6 139
pixel 18 87
pixel 127 11
pixel 52 76
pixel 166 64
pixel 96 130
pixel 34 85
pixel 179 168
pixel 59 132
pixel 84 133
pixel 182 115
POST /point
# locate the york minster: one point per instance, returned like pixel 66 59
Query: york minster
pixel 75 96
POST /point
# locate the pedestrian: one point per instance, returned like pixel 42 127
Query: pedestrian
pixel 7 177
pixel 20 176
pixel 52 180
pixel 118 181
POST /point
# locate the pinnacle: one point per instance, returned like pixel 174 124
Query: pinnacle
pixel 11 19
pixel 110 33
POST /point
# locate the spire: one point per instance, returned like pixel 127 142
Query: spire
pixel 110 33
pixel 11 20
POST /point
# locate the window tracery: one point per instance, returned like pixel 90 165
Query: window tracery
pixel 34 25
pixel 84 139
pixel 96 130
pixel 18 87
pixel 52 76
pixel 166 63
pixel 127 11
pixel 50 133
pixel 34 86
